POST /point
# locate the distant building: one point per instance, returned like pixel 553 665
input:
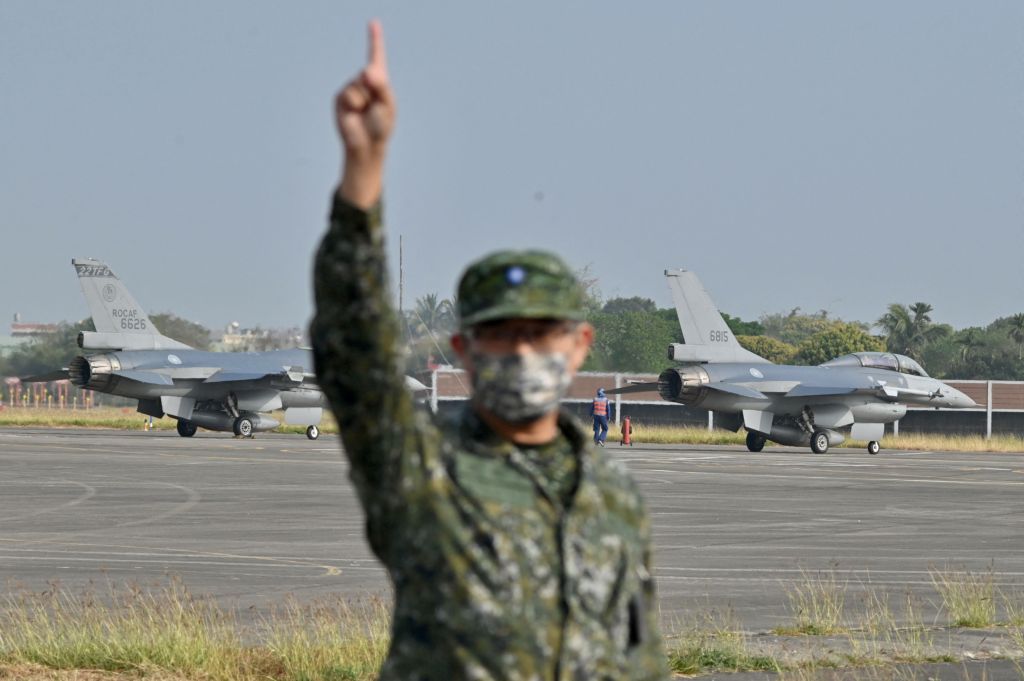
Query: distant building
pixel 237 339
pixel 32 329
pixel 22 333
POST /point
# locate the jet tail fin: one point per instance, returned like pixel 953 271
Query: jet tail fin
pixel 706 336
pixel 120 321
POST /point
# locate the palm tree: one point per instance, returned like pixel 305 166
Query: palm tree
pixel 432 315
pixel 970 339
pixel 1017 333
pixel 909 330
pixel 897 324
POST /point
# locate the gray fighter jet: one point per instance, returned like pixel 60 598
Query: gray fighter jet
pixel 223 391
pixel 791 405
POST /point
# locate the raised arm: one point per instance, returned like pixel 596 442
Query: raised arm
pixel 365 115
pixel 355 333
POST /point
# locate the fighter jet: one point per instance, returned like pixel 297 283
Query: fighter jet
pixel 222 391
pixel 790 405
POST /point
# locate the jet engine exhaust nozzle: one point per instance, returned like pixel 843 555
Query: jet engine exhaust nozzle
pixel 683 385
pixel 92 372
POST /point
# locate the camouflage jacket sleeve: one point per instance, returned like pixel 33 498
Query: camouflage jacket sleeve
pixel 356 348
pixel 650 657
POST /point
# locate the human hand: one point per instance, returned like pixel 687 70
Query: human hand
pixel 365 116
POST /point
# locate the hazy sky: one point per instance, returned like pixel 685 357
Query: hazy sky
pixel 837 156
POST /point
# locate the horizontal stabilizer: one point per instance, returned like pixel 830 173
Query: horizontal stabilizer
pixel 818 391
pixel 739 390
pixel 634 388
pixel 58 375
pixel 148 377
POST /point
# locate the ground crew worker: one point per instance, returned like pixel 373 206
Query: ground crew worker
pixel 516 550
pixel 600 410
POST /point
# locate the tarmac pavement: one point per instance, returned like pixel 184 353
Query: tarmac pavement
pixel 250 522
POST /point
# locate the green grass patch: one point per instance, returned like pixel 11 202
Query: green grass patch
pixel 713 642
pixel 968 597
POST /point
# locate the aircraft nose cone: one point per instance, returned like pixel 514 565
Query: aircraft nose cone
pixel 961 401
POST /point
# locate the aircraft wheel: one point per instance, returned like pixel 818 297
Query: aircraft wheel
pixel 186 428
pixel 755 441
pixel 243 426
pixel 874 447
pixel 819 442
pixel 312 432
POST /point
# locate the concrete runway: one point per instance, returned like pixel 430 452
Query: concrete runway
pixel 249 522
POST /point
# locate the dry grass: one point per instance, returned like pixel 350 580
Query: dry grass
pixel 118 418
pixel 126 418
pixel 950 443
pixel 168 633
pixel 817 603
pixel 702 436
pixel 968 597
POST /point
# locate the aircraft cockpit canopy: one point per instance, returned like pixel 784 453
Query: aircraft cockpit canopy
pixel 879 360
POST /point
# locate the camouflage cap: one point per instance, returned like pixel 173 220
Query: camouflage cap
pixel 508 284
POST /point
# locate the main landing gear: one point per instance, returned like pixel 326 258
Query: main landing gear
pixel 819 442
pixel 186 428
pixel 243 426
pixel 874 447
pixel 312 432
pixel 755 441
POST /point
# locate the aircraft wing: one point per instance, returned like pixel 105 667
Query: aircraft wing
pixel 731 388
pixel 802 390
pixel 296 375
pixel 737 389
pixel 238 376
pixel 147 377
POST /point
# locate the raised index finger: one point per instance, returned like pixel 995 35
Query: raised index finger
pixel 377 58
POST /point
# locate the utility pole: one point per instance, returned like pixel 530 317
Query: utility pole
pixel 401 281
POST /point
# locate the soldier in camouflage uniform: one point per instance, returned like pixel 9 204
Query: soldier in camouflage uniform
pixel 516 550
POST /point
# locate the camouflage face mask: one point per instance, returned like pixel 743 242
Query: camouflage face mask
pixel 520 388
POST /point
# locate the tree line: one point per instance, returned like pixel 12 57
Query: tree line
pixel 633 335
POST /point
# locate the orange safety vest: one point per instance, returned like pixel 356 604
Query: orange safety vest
pixel 600 406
